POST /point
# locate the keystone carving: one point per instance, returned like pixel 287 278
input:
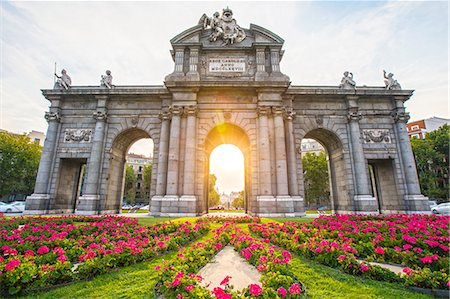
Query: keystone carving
pixel 77 135
pixel 401 116
pixel 353 114
pixel 376 136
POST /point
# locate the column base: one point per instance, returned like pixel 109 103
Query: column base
pixel 174 206
pixel 36 203
pixel 155 205
pixel 366 204
pixel 88 205
pixel 417 204
pixel 279 206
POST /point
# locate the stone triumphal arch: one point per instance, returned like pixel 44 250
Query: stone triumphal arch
pixel 226 87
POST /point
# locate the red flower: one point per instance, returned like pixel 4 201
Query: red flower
pixel 408 271
pixel 43 250
pixel 189 287
pixel 295 289
pixel 255 290
pixel 364 268
pixel 220 293
pixel 379 250
pixel 282 291
pixel 225 280
pixel 62 258
pixel 12 264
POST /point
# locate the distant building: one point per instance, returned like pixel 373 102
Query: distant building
pixel 138 162
pixel 420 128
pixel 37 137
pixel 311 146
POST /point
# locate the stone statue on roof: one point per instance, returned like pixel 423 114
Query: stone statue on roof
pixel 347 81
pixel 390 82
pixel 106 81
pixel 224 27
pixel 63 81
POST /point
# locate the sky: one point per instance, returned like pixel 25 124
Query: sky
pixel 322 40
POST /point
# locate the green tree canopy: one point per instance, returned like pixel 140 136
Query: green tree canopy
pixel 238 202
pixel 432 160
pixel 130 184
pixel 213 195
pixel 19 162
pixel 147 176
pixel 315 173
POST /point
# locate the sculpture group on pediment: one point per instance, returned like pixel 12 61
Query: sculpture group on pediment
pixel 224 27
pixel 106 80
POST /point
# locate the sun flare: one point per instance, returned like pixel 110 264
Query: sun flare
pixel 227 163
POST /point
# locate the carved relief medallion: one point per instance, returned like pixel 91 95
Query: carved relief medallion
pixel 78 135
pixel 376 136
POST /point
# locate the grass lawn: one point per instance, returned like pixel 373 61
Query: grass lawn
pixel 325 282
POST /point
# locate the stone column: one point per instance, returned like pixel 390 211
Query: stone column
pixel 364 201
pixel 38 202
pixel 174 153
pixel 265 187
pixel 89 202
pixel 292 161
pixel 163 153
pixel 415 201
pixel 193 65
pixel 189 154
pixel 280 152
pixel 261 73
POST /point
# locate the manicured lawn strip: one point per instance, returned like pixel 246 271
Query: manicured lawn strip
pixel 325 282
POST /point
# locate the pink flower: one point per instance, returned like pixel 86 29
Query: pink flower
pixel 407 247
pixel 180 296
pixel 176 282
pixel 161 244
pixel 217 246
pixel 408 271
pixel 282 291
pixel 12 264
pixel 418 250
pixel 255 290
pixel 62 258
pixel 189 287
pixel 28 253
pixel 318 250
pixel 220 293
pixel 379 250
pixel 157 268
pixel 263 259
pixel 364 268
pixel 43 250
pixel 295 289
pixel 341 257
pixel 225 280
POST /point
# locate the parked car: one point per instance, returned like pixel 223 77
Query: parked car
pixel 13 207
pixel 443 208
pixel 432 203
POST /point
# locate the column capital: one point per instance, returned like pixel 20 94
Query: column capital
pixel 353 115
pixel 190 110
pixel 278 110
pixel 52 116
pixel 100 116
pixel 264 110
pixel 165 115
pixel 176 110
pixel 400 116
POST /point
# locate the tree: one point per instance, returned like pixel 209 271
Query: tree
pixel 315 173
pixel 19 162
pixel 147 176
pixel 213 195
pixel 238 202
pixel 432 160
pixel 130 184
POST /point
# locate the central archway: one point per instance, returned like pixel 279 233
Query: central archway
pixel 228 134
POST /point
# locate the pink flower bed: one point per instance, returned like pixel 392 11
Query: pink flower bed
pixel 418 242
pixel 43 251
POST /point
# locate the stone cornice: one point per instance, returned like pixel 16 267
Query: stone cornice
pixel 360 91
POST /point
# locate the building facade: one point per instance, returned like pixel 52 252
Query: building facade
pixel 138 162
pixel 227 87
pixel 420 128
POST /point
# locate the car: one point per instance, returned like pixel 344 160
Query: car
pixel 13 207
pixel 432 203
pixel 443 208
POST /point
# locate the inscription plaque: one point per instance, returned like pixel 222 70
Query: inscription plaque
pixel 227 65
